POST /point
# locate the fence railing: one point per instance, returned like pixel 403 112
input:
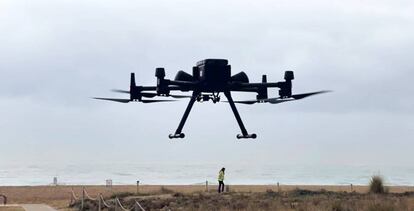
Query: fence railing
pixel 118 206
pixel 102 203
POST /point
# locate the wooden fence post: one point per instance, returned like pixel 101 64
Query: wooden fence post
pixel 99 203
pixel 137 186
pixel 206 185
pixel 83 198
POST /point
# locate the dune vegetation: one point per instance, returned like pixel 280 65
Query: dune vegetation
pixel 298 199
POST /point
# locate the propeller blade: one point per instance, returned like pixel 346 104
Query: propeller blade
pixel 113 99
pixel 277 100
pixel 269 100
pixel 248 102
pixel 120 91
pixel 144 94
pixel 155 101
pixel 127 100
pixel 148 94
pixel 180 96
pixel 301 96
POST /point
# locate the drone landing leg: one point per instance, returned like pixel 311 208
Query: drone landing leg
pixel 178 133
pixel 239 120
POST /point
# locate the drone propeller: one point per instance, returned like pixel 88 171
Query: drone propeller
pixel 113 99
pixel 301 96
pixel 128 100
pixel 144 94
pixel 120 91
pixel 248 102
pixel 156 101
pixel 150 94
pixel 278 100
pixel 179 96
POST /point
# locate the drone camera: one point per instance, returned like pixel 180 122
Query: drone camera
pixel 206 97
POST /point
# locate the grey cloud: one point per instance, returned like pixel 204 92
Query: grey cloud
pixel 55 55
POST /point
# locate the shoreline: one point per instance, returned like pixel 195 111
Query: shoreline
pixel 200 187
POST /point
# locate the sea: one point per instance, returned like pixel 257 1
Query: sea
pixel 193 174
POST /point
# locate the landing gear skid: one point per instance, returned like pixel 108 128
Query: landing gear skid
pixel 240 136
pixel 180 135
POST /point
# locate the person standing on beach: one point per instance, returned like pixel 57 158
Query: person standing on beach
pixel 220 180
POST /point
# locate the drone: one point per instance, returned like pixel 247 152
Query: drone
pixel 209 78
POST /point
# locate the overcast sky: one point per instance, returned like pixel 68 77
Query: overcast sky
pixel 55 55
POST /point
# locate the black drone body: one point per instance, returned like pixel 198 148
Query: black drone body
pixel 210 78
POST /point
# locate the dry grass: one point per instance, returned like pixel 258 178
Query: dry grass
pixel 291 200
pixel 11 208
pixel 59 196
pixel 376 185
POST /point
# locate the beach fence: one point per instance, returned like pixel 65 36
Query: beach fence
pixel 137 186
pixel 108 183
pixel 207 185
pixel 115 203
pixel 102 203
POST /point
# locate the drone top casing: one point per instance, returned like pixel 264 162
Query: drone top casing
pixel 213 62
pixel 215 72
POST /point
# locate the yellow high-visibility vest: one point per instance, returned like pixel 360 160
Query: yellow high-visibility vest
pixel 221 176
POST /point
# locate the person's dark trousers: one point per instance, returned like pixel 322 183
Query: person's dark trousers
pixel 221 186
